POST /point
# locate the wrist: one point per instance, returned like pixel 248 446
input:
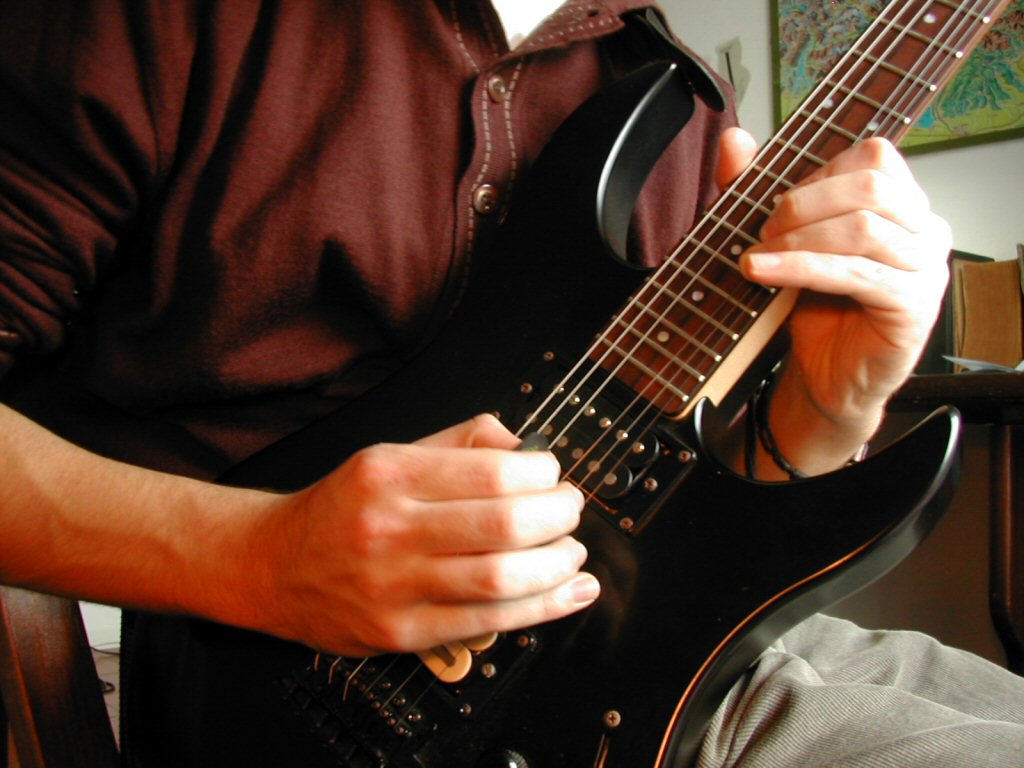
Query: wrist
pixel 230 536
pixel 791 436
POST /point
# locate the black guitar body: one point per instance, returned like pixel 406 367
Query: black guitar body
pixel 700 568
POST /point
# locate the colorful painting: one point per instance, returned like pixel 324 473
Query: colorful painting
pixel 983 102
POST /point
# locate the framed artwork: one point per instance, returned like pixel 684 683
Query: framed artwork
pixel 983 102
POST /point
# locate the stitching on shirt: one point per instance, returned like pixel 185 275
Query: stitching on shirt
pixel 573 10
pixel 510 133
pixel 589 26
pixel 484 168
pixel 454 10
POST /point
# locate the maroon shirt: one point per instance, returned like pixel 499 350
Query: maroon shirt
pixel 234 216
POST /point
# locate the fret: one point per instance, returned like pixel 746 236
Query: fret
pixel 671 328
pixel 662 351
pixel 715 288
pixel 926 39
pixel 667 304
pixel 731 228
pixel 901 73
pixel 959 8
pixel 714 253
pixel 830 125
pixel 779 180
pixel 632 361
pixel 876 105
pixel 805 154
pixel 755 204
pixel 714 322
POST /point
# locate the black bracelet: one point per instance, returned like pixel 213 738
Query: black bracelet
pixel 760 404
pixel 758 430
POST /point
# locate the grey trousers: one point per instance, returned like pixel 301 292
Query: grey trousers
pixel 829 693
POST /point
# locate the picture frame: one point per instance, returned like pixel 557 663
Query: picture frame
pixel 984 102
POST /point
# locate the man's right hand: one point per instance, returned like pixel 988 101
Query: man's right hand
pixel 405 547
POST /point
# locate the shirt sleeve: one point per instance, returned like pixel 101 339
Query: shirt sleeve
pixel 79 152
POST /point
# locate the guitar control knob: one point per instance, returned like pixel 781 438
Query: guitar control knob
pixel 504 758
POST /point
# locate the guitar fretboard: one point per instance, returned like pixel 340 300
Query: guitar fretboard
pixel 691 314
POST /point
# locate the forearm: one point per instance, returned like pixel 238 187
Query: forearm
pixel 77 524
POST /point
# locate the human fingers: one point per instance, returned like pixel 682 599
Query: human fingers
pixel 489 576
pixel 857 210
pixel 874 153
pixel 481 431
pixel 860 245
pixel 482 525
pixel 431 624
pixel 737 149
pixel 428 473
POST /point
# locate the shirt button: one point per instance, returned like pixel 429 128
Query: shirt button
pixel 497 89
pixel 485 199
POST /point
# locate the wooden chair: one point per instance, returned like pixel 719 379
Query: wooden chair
pixel 52 704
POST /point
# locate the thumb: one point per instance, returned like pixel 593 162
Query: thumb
pixel 737 149
pixel 483 431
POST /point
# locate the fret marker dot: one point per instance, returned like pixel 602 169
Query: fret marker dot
pixel 664 336
pixel 873 125
pixel 930 18
pixel 736 250
pixel 697 296
pixel 828 103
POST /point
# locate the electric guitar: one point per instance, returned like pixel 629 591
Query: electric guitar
pixel 701 569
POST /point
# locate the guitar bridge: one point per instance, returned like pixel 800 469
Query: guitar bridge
pixel 385 710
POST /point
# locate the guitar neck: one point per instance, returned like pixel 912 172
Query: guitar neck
pixel 696 324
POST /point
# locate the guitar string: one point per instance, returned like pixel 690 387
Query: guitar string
pixel 902 96
pixel 662 288
pixel 665 365
pixel 964 21
pixel 400 689
pixel 901 34
pixel 667 362
pixel 350 676
pixel 669 264
pixel 917 95
pixel 677 300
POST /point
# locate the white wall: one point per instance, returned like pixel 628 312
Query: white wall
pixel 977 189
pixel 102 625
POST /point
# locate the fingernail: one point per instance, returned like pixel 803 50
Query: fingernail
pixel 585 589
pixel 578 495
pixel 763 262
pixel 544 466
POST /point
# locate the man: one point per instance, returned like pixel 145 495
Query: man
pixel 222 220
